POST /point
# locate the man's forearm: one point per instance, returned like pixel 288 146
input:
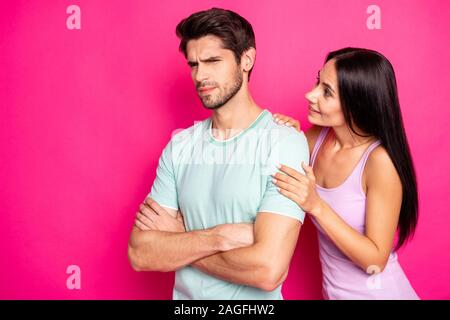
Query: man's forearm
pixel 265 263
pixel 247 266
pixel 167 251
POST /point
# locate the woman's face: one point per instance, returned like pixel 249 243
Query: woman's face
pixel 323 100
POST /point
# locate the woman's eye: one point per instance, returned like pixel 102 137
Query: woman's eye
pixel 327 92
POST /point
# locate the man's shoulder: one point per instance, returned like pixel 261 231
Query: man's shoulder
pixel 274 135
pixel 281 129
pixel 292 141
pixel 287 135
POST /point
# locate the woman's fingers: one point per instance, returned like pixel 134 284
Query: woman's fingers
pixel 293 173
pixel 292 196
pixel 286 179
pixel 284 185
pixel 296 125
pixel 286 120
pixel 309 171
pixel 281 119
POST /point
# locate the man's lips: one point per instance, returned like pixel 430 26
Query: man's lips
pixel 204 90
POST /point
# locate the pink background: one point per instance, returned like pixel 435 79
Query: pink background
pixel 84 115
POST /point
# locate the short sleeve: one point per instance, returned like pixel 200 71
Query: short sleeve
pixel 164 190
pixel 290 151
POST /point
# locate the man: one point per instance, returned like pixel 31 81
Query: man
pixel 213 213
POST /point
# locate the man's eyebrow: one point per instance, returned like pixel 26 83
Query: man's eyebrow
pixel 209 59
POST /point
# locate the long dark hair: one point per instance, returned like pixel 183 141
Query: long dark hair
pixel 235 32
pixel 369 100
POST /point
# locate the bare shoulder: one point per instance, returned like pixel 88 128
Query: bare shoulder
pixel 380 169
pixel 311 136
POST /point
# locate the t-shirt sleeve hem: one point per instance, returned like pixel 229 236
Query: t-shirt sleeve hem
pixel 299 217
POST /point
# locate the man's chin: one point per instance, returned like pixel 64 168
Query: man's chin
pixel 211 106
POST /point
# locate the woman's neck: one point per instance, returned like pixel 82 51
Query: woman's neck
pixel 345 138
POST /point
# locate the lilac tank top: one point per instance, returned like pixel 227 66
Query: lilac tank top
pixel 343 279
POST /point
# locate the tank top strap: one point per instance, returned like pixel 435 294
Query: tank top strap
pixel 365 156
pixel 319 141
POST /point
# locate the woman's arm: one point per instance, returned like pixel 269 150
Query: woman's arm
pixel 370 251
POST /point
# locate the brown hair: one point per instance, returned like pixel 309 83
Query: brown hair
pixel 235 32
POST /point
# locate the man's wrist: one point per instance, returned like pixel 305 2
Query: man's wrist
pixel 213 235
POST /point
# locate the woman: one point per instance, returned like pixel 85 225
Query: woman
pixel 361 186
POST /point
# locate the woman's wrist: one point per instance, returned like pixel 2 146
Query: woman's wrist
pixel 319 209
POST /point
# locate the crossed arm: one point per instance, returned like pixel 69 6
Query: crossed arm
pixel 265 263
pixel 255 255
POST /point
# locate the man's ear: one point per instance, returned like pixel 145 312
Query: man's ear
pixel 248 59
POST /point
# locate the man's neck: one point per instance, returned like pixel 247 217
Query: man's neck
pixel 236 115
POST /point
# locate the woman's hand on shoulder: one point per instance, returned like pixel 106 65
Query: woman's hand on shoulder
pixel 287 121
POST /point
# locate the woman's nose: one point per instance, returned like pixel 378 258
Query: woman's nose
pixel 311 97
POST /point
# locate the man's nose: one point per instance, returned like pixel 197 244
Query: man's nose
pixel 201 74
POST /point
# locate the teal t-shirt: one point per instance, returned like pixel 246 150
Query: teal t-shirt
pixel 226 181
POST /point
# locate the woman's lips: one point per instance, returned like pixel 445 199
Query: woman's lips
pixel 313 110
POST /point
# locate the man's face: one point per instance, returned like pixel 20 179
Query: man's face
pixel 216 75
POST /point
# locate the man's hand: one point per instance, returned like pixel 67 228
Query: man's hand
pixel 238 235
pixel 151 216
